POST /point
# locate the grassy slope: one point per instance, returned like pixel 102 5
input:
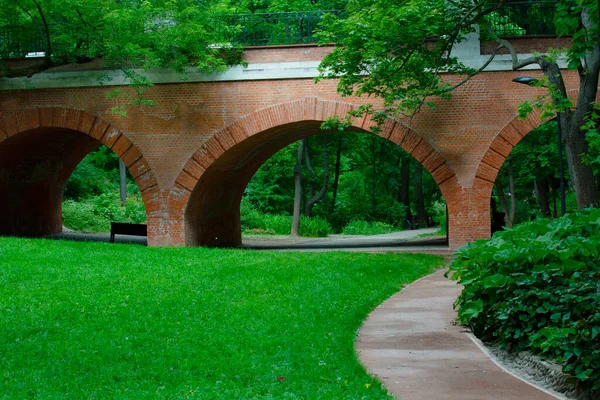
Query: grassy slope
pixel 83 320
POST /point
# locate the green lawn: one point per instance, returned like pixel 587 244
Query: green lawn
pixel 94 320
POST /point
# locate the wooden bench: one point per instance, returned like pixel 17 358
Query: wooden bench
pixel 123 228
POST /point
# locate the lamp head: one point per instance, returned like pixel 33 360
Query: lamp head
pixel 526 80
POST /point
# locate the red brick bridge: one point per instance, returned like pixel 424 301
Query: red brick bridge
pixel 193 154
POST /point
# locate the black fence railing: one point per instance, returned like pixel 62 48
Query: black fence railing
pixel 274 28
pixel 524 18
pixel 517 18
pixel 243 29
pixel 20 42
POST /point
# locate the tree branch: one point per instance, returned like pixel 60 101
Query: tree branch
pixel 480 69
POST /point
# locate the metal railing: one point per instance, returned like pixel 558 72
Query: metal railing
pixel 524 18
pixel 20 42
pixel 518 18
pixel 274 28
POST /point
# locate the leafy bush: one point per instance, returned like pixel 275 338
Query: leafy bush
pixel 313 227
pixel 360 227
pixel 438 210
pixel 97 173
pixel 253 219
pixel 80 216
pixel 280 224
pixel 95 214
pixel 108 206
pixel 537 287
pixel 250 217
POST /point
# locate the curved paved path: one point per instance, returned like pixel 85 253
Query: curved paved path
pixel 410 343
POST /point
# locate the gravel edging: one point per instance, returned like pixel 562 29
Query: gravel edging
pixel 538 371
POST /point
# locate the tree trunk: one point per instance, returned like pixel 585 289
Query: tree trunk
pixel 374 177
pixel 510 217
pixel 555 212
pixel 420 202
pixel 336 177
pixel 404 195
pixel 123 182
pixel 313 200
pixel 582 176
pixel 541 192
pixel 570 119
pixel 501 196
pixel 298 191
pixel 311 191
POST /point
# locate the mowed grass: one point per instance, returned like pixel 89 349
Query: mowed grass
pixel 94 320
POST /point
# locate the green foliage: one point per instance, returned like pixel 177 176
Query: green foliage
pixel 92 197
pixel 438 211
pixel 360 227
pixel 271 189
pixel 95 214
pixel 368 165
pixel 534 158
pixel 108 205
pixel 537 287
pixel 389 39
pixel 97 173
pixel 270 6
pixel 128 35
pixel 592 135
pixel 95 320
pixel 80 217
pixel 254 221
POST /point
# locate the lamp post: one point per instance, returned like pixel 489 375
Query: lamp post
pixel 527 80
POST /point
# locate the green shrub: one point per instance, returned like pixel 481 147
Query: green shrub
pixel 80 216
pixel 252 219
pixel 313 227
pixel 537 287
pixel 108 206
pixel 438 209
pixel 280 224
pixel 95 214
pixel 389 212
pixel 360 227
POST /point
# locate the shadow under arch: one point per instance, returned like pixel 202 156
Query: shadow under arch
pixel 39 149
pixel 209 188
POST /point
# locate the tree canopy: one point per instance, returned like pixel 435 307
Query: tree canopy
pixel 125 34
pixel 399 51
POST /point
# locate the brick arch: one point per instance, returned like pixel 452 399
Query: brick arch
pixel 503 144
pixel 280 125
pixel 505 141
pixel 53 120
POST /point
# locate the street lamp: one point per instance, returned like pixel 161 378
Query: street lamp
pixel 530 81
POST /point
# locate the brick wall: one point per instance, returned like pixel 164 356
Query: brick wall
pixel 528 44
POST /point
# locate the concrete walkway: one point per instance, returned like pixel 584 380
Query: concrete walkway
pixel 403 241
pixel 411 344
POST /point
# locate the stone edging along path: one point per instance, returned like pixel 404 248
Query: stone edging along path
pixel 411 344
